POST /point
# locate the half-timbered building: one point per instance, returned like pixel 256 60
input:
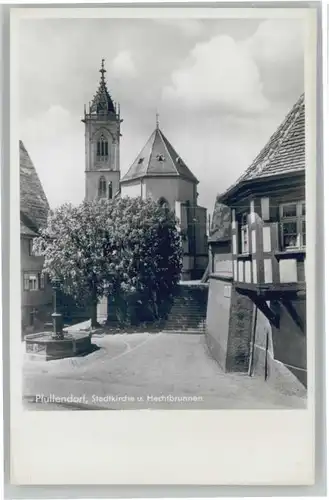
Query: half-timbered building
pixel 266 303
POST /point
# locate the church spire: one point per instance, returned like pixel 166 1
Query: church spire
pixel 102 71
pixel 102 102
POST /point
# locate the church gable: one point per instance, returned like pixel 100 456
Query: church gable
pixel 160 162
pixel 158 158
pixel 182 169
pixel 139 167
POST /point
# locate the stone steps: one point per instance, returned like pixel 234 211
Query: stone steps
pixel 188 312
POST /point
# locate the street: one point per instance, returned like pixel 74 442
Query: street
pixel 145 370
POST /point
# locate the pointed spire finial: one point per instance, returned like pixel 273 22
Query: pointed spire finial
pixel 102 100
pixel 102 71
pixel 157 120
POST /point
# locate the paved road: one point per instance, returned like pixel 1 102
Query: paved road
pixel 143 370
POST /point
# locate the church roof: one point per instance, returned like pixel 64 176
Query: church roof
pixel 284 153
pixel 34 205
pixel 102 101
pixel 158 158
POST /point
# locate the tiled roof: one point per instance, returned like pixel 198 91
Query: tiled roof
pixel 284 152
pixel 158 158
pixel 34 205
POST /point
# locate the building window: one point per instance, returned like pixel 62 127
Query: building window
pixel 110 193
pixel 244 234
pixel 26 281
pixel 102 188
pixel 33 315
pixel 33 281
pixel 30 281
pixel 102 148
pixel 293 227
pixel 41 281
pixel 31 252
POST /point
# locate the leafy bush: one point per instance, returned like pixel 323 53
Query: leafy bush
pixel 127 248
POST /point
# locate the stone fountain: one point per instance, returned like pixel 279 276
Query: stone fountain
pixel 57 344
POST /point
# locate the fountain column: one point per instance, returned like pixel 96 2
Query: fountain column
pixel 57 317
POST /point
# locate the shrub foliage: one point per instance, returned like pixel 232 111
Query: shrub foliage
pixel 127 248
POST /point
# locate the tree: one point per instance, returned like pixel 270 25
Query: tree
pixel 127 248
pixel 72 244
pixel 150 255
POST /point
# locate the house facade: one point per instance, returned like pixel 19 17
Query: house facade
pixel 36 292
pixel 158 172
pixel 262 298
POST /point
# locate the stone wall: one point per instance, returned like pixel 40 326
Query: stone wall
pixel 276 354
pixel 279 354
pixel 229 325
pixel 218 318
pixel 240 332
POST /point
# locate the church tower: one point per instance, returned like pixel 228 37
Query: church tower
pixel 102 144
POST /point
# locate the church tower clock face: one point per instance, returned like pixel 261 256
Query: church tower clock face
pixel 102 148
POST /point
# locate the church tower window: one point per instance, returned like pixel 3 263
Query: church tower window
pixel 102 148
pixel 110 191
pixel 102 188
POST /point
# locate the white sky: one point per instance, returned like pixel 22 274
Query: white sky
pixel 221 88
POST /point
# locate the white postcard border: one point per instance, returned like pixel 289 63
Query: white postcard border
pixel 236 447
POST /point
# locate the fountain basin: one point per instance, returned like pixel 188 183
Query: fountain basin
pixel 44 346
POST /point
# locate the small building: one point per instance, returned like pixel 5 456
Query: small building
pixel 36 295
pixel 260 305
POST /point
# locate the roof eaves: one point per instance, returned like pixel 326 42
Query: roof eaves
pixel 235 188
pixel 271 149
pixel 25 219
pixel 125 180
pixel 26 232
